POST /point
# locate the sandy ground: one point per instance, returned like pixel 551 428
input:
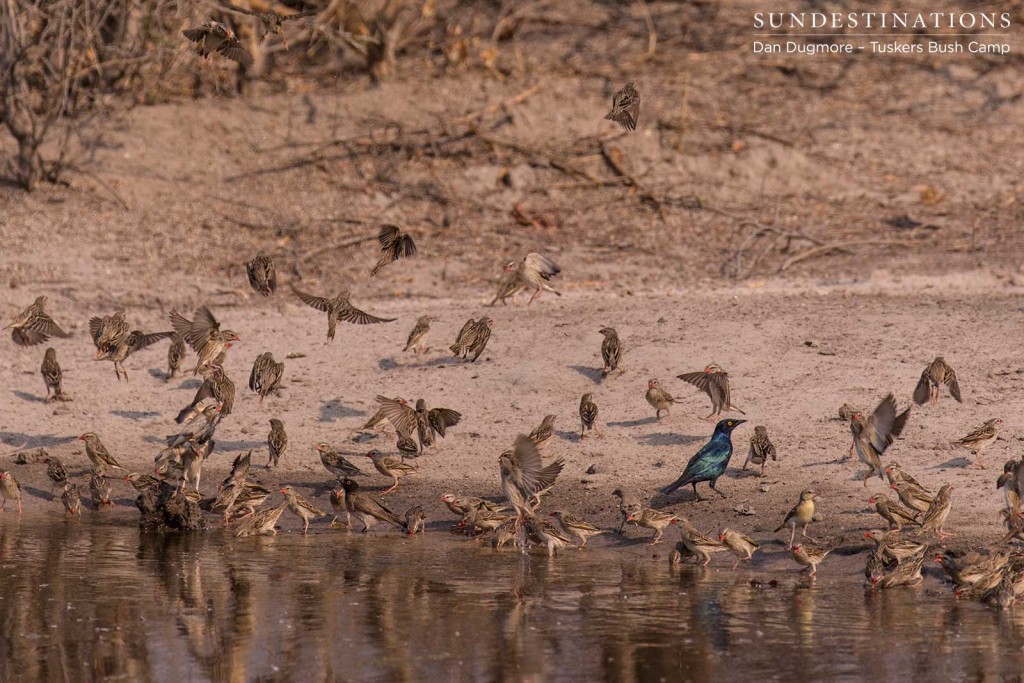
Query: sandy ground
pixel 796 352
pixel 743 162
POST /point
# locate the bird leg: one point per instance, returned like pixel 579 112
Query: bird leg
pixel 792 535
pixel 804 533
pixel 697 494
pixel 658 533
pixel 978 464
pixel 393 487
pixel 712 484
pixel 535 295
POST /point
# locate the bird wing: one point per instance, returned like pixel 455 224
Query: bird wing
pixel 718 388
pixel 195 34
pixel 234 50
pixel 789 516
pixel 44 325
pixel 544 266
pixel 318 302
pixel 923 390
pixel 401 416
pixel 405 247
pixel 95 328
pixel 700 379
pixel 300 15
pixel 881 423
pixel 461 338
pixel 440 419
pixel 952 384
pixel 375 508
pixel 137 340
pixel 528 472
pixel 352 314
pixel 387 236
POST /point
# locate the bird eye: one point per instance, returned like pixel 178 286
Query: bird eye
pixel 730 423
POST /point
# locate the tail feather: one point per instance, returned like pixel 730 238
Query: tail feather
pixel 683 480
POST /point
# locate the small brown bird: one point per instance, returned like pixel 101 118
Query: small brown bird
pixel 508 287
pixel 418 336
pixel 874 434
pixel 629 505
pixel 415 520
pixel 462 505
pixel 544 533
pixel 936 374
pixel 658 398
pixel 216 385
pixel 56 471
pixel 34 325
pixel 895 473
pixel 271 23
pixel 52 376
pixel 394 244
pixel 72 500
pixel 611 351
pixel 213 36
pixel 262 275
pixel 653 519
pixel 699 544
pixel 390 466
pixel 937 512
pixel 905 574
pixel 261 522
pixel 407 446
pixel 809 557
pixel 368 509
pixel 378 421
pixel 419 420
pixel 544 431
pixel 301 507
pixel 890 545
pixel 175 355
pixel 339 309
pixel 98 454
pixel 485 520
pixel 714 381
pixel 534 271
pixel 1011 481
pixel 740 545
pixel 100 489
pixel 266 375
pixel 277 442
pixel 979 439
pixel 761 448
pixel 335 463
pixel 9 489
pixel 141 482
pixel 118 352
pixel 625 107
pixel 891 512
pixel 912 496
pixel 801 515
pixel 524 477
pixel 573 526
pixel 108 332
pixel 472 338
pixel 846 412
pixel 338 505
pixel 204 336
pixel 588 413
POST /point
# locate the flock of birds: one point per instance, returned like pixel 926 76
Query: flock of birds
pixel 525 478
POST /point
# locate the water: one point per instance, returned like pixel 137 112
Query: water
pixel 93 600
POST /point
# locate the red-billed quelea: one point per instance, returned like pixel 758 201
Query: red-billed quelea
pixel 301 507
pixel 658 398
pixel 204 336
pixel 391 466
pixel 544 431
pixel 117 349
pixel 72 500
pixel 698 543
pixel 937 373
pixel 261 522
pixel 508 287
pixel 611 350
pixel 472 339
pixel 936 514
pixel 335 463
pixel 394 244
pixel 739 544
pixel 625 107
pixel 534 272
pixel 100 490
pixel 175 355
pixel 809 557
pixel 891 512
pixel 367 508
pixel 979 439
pixel 588 413
pixel 53 377
pixel 262 274
pixel 214 37
pixel 98 454
pixel 912 496
pixel 266 375
pixel 653 519
pixel 339 309
pixel 714 381
pixel 872 435
pixel 421 421
pixel 629 506
pixel 216 385
pixel 269 22
pixel 524 476
pixel 34 325
pixel 415 520
pixel 10 489
pixel 574 526
pixel 418 336
pixel 761 448
pixel 56 471
pixel 108 332
pixel 277 442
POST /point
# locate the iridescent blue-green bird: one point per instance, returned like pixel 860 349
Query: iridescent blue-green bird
pixel 710 461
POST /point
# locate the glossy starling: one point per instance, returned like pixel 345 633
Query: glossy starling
pixel 710 462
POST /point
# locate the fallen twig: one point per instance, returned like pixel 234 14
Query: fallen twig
pixel 831 246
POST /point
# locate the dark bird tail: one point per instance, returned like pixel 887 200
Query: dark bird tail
pixel 683 480
pixel 184 413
